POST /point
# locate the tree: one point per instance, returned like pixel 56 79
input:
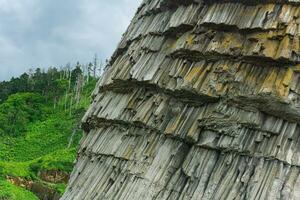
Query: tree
pixel 20 109
pixel 75 73
pixel 95 65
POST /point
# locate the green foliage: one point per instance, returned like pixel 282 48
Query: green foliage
pixel 38 118
pixel 44 137
pixel 76 72
pixel 18 110
pixel 10 192
pixel 61 160
pixel 60 188
pixel 42 147
pixel 51 83
pixel 61 85
pixel 16 169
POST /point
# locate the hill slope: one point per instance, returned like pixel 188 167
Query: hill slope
pixel 39 133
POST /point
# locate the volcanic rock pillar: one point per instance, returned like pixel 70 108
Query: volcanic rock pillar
pixel 200 101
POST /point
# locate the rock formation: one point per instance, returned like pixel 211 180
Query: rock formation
pixel 201 100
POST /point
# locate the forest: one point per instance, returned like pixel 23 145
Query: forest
pixel 40 113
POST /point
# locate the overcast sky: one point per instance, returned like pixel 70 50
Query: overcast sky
pixel 42 33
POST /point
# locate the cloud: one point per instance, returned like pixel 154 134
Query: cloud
pixel 42 33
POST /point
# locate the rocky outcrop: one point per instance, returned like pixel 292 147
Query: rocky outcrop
pixel 54 176
pixel 201 100
pixel 41 190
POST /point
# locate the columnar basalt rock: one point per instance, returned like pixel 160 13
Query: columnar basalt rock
pixel 201 100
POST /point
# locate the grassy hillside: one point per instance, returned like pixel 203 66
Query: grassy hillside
pixel 37 135
pixel 9 191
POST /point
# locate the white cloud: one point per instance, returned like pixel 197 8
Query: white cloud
pixel 54 32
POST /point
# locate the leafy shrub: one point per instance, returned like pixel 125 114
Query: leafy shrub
pixel 19 110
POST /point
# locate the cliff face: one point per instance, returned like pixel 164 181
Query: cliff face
pixel 201 101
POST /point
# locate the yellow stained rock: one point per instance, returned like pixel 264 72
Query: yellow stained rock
pixel 284 49
pixel 297 68
pixel 193 74
pixel 287 79
pixel 190 39
pixel 268 84
pixel 281 90
pixel 270 48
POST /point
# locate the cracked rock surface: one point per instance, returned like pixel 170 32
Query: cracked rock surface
pixel 200 101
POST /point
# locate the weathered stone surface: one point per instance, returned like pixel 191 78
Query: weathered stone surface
pixel 201 100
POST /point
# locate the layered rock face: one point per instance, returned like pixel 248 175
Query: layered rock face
pixel 201 101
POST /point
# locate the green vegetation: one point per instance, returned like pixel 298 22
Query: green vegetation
pixel 39 126
pixel 10 192
pixel 20 109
